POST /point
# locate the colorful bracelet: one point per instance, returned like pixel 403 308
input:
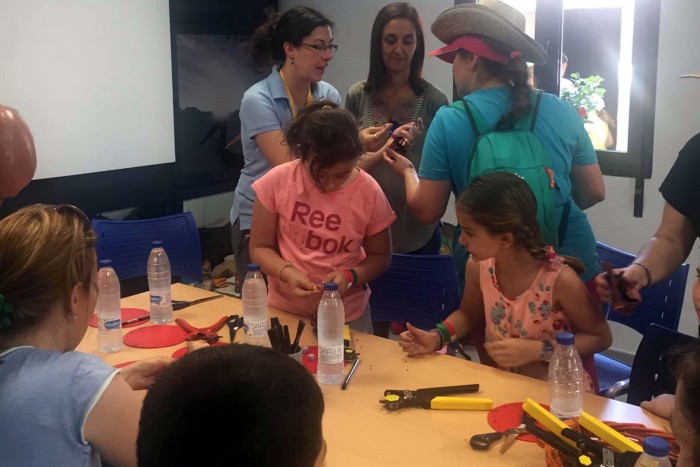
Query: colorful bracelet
pixel 444 332
pixel 348 275
pixel 441 342
pixel 453 331
pixel 354 276
pixel 287 264
pixel 647 272
pixel 547 351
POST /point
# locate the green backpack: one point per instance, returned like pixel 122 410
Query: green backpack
pixel 514 147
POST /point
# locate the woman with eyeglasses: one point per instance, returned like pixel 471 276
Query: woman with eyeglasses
pixel 395 94
pixel 58 406
pixel 299 46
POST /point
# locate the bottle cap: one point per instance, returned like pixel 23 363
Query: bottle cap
pixel 655 446
pixel 330 286
pixel 105 263
pixel 253 267
pixel 565 338
pixel 157 243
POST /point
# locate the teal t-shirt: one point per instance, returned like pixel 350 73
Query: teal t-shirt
pixel 449 141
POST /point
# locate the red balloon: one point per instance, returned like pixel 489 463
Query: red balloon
pixel 17 153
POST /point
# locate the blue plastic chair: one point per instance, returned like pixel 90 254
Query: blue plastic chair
pixel 420 289
pixel 661 304
pixel 128 244
pixel 654 363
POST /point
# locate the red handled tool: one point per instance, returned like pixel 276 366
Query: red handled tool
pixel 208 333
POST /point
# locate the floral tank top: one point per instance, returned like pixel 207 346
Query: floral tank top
pixel 531 315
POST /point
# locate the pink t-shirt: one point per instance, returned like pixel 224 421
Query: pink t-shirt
pixel 321 232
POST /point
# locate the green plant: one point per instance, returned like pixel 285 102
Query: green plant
pixel 587 95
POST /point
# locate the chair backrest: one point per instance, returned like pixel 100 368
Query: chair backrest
pixel 654 363
pixel 128 244
pixel 661 303
pixel 420 289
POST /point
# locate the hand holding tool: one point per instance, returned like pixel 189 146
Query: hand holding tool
pixel 180 304
pixel 431 398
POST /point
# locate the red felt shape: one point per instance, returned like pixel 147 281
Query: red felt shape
pixel 127 314
pixel 310 364
pixel 507 416
pixel 158 335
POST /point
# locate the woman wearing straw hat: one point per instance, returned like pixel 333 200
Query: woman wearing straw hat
pixel 489 50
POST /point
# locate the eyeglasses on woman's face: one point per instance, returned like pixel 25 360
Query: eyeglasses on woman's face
pixel 322 47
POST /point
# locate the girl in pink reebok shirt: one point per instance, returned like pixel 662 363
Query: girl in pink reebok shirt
pixel 517 288
pixel 320 218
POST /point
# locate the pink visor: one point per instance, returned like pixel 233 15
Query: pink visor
pixel 474 45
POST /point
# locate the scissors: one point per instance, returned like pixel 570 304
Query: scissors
pixel 483 442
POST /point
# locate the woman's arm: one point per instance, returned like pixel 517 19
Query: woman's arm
pixel 113 423
pixel 273 147
pixel 264 251
pixel 427 199
pixel 587 186
pixel 588 322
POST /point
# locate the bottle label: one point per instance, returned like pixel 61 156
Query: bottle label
pixel 255 329
pixel 160 299
pixel 113 324
pixel 331 355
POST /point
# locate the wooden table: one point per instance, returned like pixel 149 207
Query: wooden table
pixel 360 432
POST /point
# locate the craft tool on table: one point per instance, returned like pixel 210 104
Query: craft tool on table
pixel 434 398
pixel 180 304
pixel 350 373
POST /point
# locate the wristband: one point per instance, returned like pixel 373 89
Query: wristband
pixel 348 275
pixel 441 343
pixel 451 328
pixel 647 272
pixel 285 265
pixel 444 332
pixel 354 275
pixel 547 351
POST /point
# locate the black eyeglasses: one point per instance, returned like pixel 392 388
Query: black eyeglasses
pixel 321 48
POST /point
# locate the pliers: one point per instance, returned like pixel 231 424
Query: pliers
pixel 208 333
pixel 431 398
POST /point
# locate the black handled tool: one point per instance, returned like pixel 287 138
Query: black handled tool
pixel 180 304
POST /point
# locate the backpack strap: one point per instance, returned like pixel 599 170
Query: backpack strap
pixel 479 125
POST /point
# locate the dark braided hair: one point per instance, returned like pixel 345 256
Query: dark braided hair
pixel 513 72
pixel 688 375
pixel 503 202
pixel 324 134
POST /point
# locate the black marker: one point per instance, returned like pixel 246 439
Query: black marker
pixel 350 373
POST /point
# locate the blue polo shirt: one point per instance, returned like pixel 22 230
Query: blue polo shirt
pixel 265 107
pixel 449 141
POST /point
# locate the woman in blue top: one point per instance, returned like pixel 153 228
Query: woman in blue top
pixel 58 406
pixel 489 50
pixel 299 46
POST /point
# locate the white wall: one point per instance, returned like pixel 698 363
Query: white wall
pixel 676 116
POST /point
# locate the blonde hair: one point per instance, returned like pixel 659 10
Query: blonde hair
pixel 45 251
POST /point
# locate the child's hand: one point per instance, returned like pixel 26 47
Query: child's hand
pixel 299 282
pixel 415 341
pixel 374 137
pixel 410 131
pixel 141 374
pixel 339 278
pixel 398 163
pixel 661 405
pixel 514 352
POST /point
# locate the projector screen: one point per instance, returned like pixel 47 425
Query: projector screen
pixel 93 79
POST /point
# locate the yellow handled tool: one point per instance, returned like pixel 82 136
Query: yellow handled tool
pixel 460 403
pixel 550 422
pixel 616 439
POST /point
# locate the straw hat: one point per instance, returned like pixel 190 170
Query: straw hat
pixel 492 19
pixel 691 75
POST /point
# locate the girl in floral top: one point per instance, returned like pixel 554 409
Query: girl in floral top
pixel 516 287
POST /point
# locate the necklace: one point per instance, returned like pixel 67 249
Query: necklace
pixel 292 105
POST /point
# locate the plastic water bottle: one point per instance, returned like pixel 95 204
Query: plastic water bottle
pixel 255 307
pixel 566 379
pixel 655 453
pixel 109 310
pixel 331 326
pixel 159 283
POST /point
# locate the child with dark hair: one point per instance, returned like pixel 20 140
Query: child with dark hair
pixel 271 405
pixel 523 292
pixel 320 218
pixel 685 418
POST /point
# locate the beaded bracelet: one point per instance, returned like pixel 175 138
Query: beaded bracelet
pixel 354 275
pixel 444 332
pixel 440 343
pixel 453 331
pixel 287 264
pixel 348 276
pixel 647 272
